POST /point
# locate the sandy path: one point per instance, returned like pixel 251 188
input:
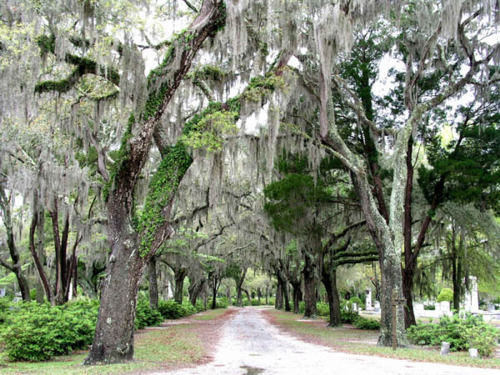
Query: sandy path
pixel 251 345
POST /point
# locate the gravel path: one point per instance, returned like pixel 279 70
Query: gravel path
pixel 250 345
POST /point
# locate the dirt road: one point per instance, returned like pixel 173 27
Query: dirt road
pixel 250 345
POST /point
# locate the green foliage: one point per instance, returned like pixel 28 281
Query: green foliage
pixel 174 164
pixel 173 310
pixel 170 309
pixel 261 86
pixel 46 43
pixel 145 316
pixel 429 307
pixel 37 332
pixel 347 314
pixel 461 332
pixel 211 129
pixel 364 323
pixel 446 294
pixel 471 170
pixel 220 303
pixel 357 301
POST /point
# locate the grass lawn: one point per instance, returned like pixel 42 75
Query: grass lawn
pixel 350 340
pixel 161 348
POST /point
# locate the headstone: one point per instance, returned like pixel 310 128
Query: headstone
pixel 445 308
pixel 418 308
pixel 377 306
pixel 471 300
pixel 369 300
pixel 491 307
pixel 473 353
pixel 355 306
pixel 2 292
pixel 445 348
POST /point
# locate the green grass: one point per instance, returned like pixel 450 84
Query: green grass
pixel 155 349
pixel 208 315
pixel 356 341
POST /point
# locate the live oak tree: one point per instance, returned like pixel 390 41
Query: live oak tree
pixel 90 52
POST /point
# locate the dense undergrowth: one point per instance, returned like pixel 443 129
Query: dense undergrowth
pixel 30 331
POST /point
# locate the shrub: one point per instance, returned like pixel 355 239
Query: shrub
pixel 347 314
pixel 170 309
pixel 221 303
pixel 461 332
pixel 446 294
pixel 429 307
pixel 357 301
pixel 145 316
pixel 363 323
pixel 255 302
pixel 37 332
pixel 271 301
pixel 323 309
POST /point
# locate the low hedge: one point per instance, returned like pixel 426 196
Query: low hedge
pixel 462 332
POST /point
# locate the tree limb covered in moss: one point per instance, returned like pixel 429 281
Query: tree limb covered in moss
pixel 83 66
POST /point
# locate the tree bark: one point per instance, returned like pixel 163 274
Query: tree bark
pixel 38 264
pixel 329 277
pixel 297 296
pixel 153 283
pixel 16 266
pixel 179 276
pixel 113 341
pixel 278 303
pixel 309 273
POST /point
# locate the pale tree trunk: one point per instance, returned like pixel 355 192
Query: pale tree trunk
pixel 16 266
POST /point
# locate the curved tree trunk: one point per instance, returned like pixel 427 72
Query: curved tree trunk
pixel 15 267
pixel 113 341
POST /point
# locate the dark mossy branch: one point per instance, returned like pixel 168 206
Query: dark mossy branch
pixel 82 65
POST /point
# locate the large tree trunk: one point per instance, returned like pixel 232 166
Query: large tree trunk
pixel 195 288
pixel 329 277
pixel 297 296
pixel 113 341
pixel 278 303
pixel 309 273
pixel 153 283
pixel 179 276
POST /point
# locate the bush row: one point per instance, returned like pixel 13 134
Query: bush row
pixel 38 332
pixel 461 331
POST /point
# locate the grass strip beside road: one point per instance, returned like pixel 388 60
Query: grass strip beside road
pixel 355 341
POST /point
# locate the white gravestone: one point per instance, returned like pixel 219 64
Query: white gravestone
pixel 369 300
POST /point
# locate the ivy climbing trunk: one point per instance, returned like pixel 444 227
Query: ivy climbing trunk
pixel 133 243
